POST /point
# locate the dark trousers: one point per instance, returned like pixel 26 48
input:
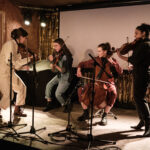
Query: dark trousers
pixel 140 87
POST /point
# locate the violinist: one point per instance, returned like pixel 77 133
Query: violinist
pixel 62 63
pixel 140 59
pixel 103 97
pixel 18 36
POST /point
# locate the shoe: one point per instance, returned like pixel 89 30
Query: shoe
pixel 84 116
pixel 147 129
pixel 48 107
pixel 103 122
pixel 66 109
pixel 147 133
pixel 139 126
pixel 18 112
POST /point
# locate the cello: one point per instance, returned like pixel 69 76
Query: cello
pixel 100 88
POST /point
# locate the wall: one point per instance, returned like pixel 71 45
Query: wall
pixel 88 28
pixel 14 19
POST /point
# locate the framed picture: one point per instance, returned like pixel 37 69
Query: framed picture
pixel 2 28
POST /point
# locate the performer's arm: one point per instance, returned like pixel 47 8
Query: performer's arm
pixel 85 64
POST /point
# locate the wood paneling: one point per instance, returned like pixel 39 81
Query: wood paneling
pixel 2 28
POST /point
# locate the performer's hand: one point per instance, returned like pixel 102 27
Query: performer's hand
pixel 111 60
pixel 130 67
pixel 79 74
pixel 51 58
pixel 118 53
pixel 52 65
pixel 26 67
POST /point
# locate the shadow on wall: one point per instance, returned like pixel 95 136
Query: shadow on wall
pixel 86 54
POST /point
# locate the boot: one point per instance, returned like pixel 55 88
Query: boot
pixel 147 129
pixel 84 116
pixel 18 112
pixel 48 107
pixel 66 109
pixel 103 121
pixel 139 126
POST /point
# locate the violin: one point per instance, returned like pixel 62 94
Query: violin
pixel 25 52
pixel 125 48
pixel 56 56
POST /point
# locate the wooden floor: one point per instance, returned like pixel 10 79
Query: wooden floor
pixel 100 137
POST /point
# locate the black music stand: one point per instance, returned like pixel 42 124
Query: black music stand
pixel 33 130
pixel 10 124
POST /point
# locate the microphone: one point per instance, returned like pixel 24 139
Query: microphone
pixel 95 62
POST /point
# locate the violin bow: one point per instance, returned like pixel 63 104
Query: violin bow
pixel 107 82
pixel 128 52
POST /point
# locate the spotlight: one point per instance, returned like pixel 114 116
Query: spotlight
pixel 43 20
pixel 27 22
pixel 27 17
pixel 43 24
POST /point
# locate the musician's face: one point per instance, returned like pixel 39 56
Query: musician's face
pixel 101 52
pixel 56 47
pixel 22 39
pixel 139 34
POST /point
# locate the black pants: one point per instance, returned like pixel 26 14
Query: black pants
pixel 140 87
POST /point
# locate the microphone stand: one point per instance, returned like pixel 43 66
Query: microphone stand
pixel 90 136
pixel 32 130
pixel 10 124
pixel 68 129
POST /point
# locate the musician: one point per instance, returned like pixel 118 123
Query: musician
pixel 140 59
pixel 110 69
pixel 18 36
pixel 62 63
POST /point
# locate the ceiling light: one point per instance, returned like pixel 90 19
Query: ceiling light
pixel 43 20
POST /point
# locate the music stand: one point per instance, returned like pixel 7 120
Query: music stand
pixel 10 124
pixel 33 130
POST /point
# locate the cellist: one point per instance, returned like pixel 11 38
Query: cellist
pixel 110 69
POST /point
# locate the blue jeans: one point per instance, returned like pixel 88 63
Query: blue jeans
pixel 61 89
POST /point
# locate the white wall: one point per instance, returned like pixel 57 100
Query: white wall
pixel 88 28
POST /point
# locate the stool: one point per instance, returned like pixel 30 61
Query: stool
pixel 101 111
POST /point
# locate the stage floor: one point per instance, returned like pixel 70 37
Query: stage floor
pixel 55 120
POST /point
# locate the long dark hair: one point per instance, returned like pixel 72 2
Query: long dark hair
pixel 64 48
pixel 144 28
